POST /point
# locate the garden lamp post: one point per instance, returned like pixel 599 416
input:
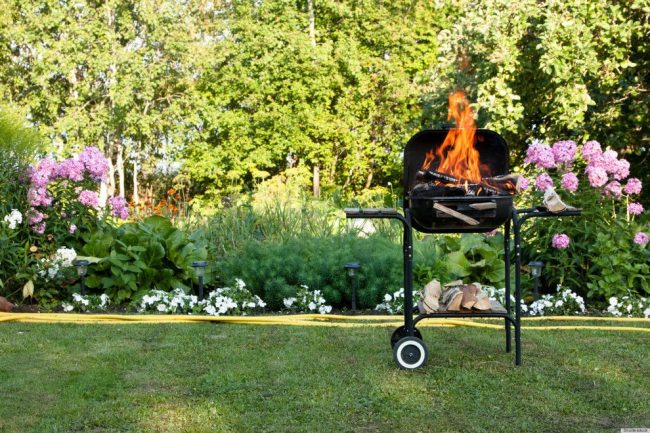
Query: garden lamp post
pixel 352 268
pixel 82 271
pixel 536 273
pixel 199 270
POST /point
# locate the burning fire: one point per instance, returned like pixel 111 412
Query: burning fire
pixel 457 155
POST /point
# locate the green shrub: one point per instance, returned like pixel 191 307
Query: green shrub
pixel 18 147
pixel 275 270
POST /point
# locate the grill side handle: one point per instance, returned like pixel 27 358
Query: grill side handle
pixel 355 212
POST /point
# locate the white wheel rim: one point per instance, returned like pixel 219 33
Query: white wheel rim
pixel 417 363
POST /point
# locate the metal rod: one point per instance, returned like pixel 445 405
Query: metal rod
pixel 408 274
pixel 517 225
pixel 506 259
pixel 354 293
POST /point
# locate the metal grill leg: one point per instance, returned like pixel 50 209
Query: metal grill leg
pixel 506 259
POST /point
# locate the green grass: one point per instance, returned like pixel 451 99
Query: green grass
pixel 236 378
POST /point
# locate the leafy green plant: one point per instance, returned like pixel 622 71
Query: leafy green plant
pixel 472 257
pixel 139 256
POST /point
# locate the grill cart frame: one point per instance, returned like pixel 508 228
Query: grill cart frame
pixel 409 350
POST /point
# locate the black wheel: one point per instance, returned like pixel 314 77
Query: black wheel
pixel 410 353
pixel 400 333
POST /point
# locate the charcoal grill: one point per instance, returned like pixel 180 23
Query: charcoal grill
pixel 421 211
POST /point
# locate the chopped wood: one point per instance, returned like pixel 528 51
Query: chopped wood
pixel 455 214
pixel 486 205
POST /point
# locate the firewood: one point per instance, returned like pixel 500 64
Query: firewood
pixel 451 212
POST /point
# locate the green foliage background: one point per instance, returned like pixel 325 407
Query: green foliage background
pixel 233 90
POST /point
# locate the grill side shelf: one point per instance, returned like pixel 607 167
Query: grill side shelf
pixel 355 212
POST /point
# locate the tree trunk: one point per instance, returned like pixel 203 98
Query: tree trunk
pixel 369 179
pixel 136 195
pixel 312 36
pixel 316 181
pixel 119 167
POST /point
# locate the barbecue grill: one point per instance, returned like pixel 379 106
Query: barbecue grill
pixel 451 206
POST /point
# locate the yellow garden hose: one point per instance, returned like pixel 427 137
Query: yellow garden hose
pixel 317 320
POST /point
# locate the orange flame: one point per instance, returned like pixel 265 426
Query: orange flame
pixel 457 154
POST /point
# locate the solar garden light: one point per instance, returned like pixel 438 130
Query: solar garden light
pixel 82 271
pixel 352 268
pixel 536 273
pixel 199 271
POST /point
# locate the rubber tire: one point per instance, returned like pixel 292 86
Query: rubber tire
pixel 400 333
pixel 410 353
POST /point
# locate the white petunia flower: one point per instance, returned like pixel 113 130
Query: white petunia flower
pixel 288 302
pixel 311 306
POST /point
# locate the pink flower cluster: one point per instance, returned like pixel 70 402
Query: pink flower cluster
pixel 635 208
pixel 564 151
pixel 570 182
pixel 90 164
pixel 641 238
pixel 119 207
pixel 540 154
pixel 89 198
pixel 560 241
pixel 602 164
pixel 94 162
pixel 543 182
pixel 633 186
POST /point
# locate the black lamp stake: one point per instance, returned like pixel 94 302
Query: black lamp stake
pixel 199 271
pixel 352 268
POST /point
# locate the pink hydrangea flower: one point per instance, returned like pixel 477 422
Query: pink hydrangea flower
pixel 71 169
pixel 641 238
pixel 570 182
pixel 43 173
pixel 560 241
pixel 597 176
pixel 621 169
pixel 89 198
pixel 614 189
pixel 635 208
pixel 35 217
pixel 564 151
pixel 119 207
pixel 541 155
pixel 38 196
pixel 543 182
pixel 94 162
pixel 633 186
pixel 590 150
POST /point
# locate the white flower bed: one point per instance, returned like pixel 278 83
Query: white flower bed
pixel 87 303
pixel 394 303
pixel 307 301
pixel 563 303
pixel 629 306
pixel 50 267
pixel 222 301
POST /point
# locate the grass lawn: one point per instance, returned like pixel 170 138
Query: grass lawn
pixel 246 378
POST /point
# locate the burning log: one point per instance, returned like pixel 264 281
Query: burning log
pixel 506 181
pixel 470 188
